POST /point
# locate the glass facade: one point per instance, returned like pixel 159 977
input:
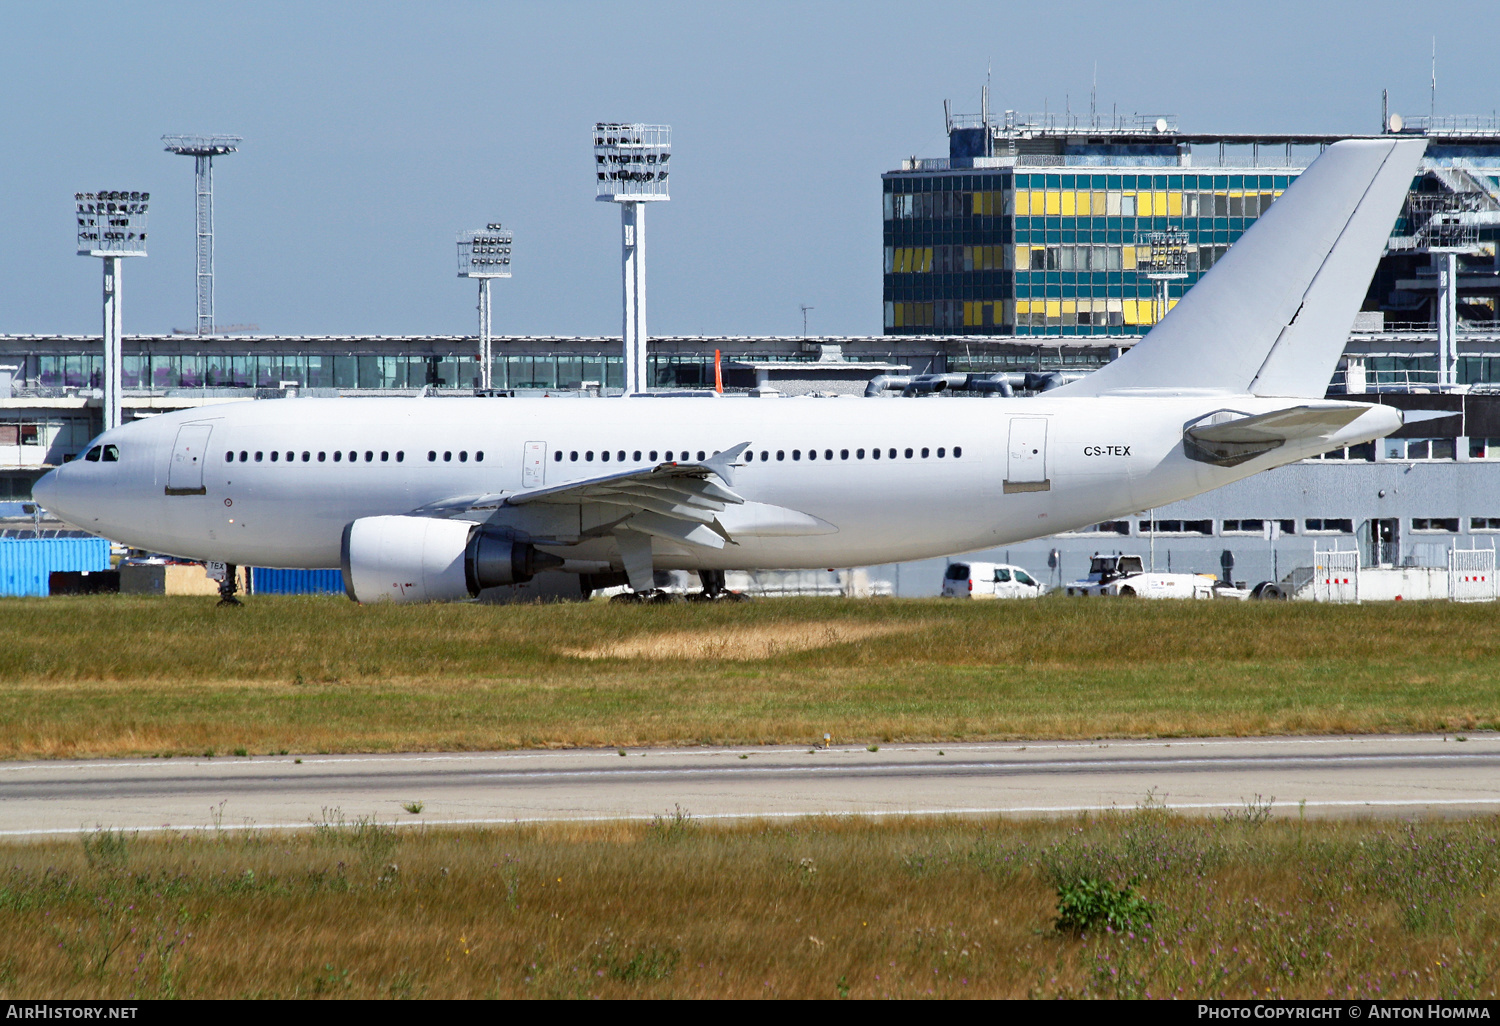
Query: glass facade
pixel 1052 251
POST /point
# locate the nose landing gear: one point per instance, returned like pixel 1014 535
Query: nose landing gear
pixel 228 586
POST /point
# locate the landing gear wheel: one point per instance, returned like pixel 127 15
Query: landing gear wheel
pixel 1268 590
pixel 628 598
pixel 663 598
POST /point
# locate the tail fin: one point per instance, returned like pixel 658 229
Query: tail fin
pixel 1272 316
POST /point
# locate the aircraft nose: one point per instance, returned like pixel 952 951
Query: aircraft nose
pixel 45 490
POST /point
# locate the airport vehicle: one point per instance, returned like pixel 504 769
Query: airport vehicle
pixel 1127 577
pixel 990 581
pixel 433 499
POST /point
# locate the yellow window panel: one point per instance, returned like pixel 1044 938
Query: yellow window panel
pixel 1054 202
pixel 1068 204
pixel 1128 258
pixel 976 203
pixel 927 260
pixel 1083 205
pixel 1023 306
pixel 900 315
pixel 1069 306
pixel 1099 205
pixel 1174 204
pixel 1131 312
pixel 1171 303
pixel 1054 309
pixel 903 260
pixel 1023 257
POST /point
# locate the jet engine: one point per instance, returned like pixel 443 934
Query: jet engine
pixel 421 559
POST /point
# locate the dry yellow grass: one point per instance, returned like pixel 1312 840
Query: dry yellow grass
pixel 742 644
pixel 812 909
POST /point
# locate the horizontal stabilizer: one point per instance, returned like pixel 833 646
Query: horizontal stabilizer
pixel 1279 425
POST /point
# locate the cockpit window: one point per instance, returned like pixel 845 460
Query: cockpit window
pixel 92 455
pixel 111 454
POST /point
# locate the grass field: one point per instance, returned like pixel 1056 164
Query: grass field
pixel 1239 907
pixel 123 675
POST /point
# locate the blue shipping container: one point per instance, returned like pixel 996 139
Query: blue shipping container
pixel 26 562
pixel 267 581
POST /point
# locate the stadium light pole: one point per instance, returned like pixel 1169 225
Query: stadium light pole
pixel 484 255
pixel 631 168
pixel 112 226
pixel 203 149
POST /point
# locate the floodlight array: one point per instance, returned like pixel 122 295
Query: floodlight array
pixel 631 161
pixel 485 254
pixel 111 222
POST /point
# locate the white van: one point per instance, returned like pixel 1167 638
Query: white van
pixel 990 581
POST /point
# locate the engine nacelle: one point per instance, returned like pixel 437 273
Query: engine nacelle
pixel 422 559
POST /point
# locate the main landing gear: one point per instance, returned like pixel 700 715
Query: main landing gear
pixel 713 591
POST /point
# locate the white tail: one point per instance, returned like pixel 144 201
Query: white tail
pixel 1272 316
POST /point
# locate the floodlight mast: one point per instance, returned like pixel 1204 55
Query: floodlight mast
pixel 484 255
pixel 631 168
pixel 203 149
pixel 111 226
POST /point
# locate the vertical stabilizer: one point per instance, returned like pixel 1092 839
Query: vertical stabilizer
pixel 1272 316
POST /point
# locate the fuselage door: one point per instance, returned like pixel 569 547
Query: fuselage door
pixel 534 465
pixel 189 452
pixel 1026 470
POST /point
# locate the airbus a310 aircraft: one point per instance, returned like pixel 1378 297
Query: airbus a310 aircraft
pixel 434 499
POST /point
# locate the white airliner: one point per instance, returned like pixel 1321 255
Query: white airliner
pixel 434 499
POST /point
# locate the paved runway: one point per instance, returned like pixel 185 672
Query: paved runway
pixel 1359 776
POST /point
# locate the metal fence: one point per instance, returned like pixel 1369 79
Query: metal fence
pixel 1471 575
pixel 1335 576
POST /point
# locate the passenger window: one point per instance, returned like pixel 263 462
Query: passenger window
pixel 573 457
pixel 875 454
pixel 588 456
pixel 353 456
pixel 463 456
pixel 604 456
pixel 306 456
pixel 338 455
pixel 667 456
pixel 557 456
pixel 400 456
pixel 322 457
pixel 764 455
pixel 940 452
pixel 859 454
pixel 479 457
pixel 369 456
pixel 448 457
pixel 828 454
pixel 1002 576
pixel 924 454
pixel 290 457
pixel 843 454
pixel 275 455
pixel 92 455
pixel 385 457
pixel 244 456
pixel 893 454
pixel 796 454
pixel 229 457
pixel 1024 578
pixel 259 456
pixel 653 455
pixel 812 454
pixel 781 454
pixel 957 451
pixel 111 454
pixel 700 455
pixel 431 456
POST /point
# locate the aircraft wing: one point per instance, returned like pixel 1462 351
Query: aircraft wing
pixel 674 501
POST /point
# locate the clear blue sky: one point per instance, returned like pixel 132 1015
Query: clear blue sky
pixel 375 131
